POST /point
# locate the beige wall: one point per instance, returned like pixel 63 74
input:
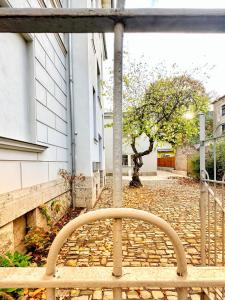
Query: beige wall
pixel 183 154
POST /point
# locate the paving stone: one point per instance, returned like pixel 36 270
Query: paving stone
pixel 108 295
pixel 157 295
pixel 132 295
pixel 75 293
pixel 145 294
pixel 143 244
pixel 81 298
pixel 195 297
pixel 97 295
pixel 71 263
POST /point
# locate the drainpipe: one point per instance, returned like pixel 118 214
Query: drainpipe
pixel 72 118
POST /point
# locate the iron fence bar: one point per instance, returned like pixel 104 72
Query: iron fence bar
pixel 212 181
pixel 214 163
pixel 215 198
pixel 223 224
pixel 203 190
pixel 117 149
pixel 208 228
pixel 99 277
pixel 50 294
pixel 215 138
pixel 223 231
pixel 117 127
pixel 215 233
pixel 202 140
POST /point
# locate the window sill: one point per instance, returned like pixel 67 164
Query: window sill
pixel 11 144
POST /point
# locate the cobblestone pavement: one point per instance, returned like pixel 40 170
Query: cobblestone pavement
pixel 143 245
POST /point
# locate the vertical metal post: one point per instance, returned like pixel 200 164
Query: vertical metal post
pixel 214 163
pixel 120 4
pixel 117 149
pixel 203 192
pixel 50 294
pixel 202 141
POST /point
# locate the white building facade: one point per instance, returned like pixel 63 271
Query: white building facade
pixel 149 167
pixel 51 118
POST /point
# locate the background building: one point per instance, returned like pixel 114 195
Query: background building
pixel 219 116
pixel 150 161
pixel 51 118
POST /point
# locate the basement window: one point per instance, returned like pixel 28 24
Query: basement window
pixel 223 128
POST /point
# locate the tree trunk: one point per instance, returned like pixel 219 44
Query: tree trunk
pixel 138 162
pixel 136 182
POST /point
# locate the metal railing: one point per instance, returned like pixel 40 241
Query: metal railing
pixel 52 277
pixel 212 210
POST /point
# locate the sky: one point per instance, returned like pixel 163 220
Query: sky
pixel 186 50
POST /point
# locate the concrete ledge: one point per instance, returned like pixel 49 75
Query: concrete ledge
pixel 17 203
pixel 6 143
pixel 103 20
pixel 98 277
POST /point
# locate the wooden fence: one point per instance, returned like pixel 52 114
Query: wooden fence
pixel 168 162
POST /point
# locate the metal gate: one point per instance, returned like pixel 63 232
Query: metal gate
pixel 183 277
pixel 212 209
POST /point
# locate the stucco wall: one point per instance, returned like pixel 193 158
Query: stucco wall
pixel 33 84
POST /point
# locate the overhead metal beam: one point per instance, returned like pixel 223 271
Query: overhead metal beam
pixel 104 20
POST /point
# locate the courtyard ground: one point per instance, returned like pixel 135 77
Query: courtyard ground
pixel 175 199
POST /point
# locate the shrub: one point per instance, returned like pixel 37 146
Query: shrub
pixel 220 162
pixel 37 239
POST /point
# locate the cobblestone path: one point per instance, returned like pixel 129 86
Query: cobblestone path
pixel 143 245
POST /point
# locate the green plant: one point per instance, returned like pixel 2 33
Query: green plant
pixel 56 206
pixel 44 211
pixel 220 162
pixel 13 260
pixel 195 166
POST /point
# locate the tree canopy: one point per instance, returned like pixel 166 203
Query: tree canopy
pixel 161 105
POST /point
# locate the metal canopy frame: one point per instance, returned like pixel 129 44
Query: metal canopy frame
pixel 118 20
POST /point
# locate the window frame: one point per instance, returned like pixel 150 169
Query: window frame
pixel 223 110
pixel 94 103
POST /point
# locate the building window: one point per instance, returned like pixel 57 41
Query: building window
pixel 95 116
pixel 124 160
pixel 223 110
pixel 99 85
pixel 223 128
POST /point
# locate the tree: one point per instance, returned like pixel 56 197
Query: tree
pixel 154 104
